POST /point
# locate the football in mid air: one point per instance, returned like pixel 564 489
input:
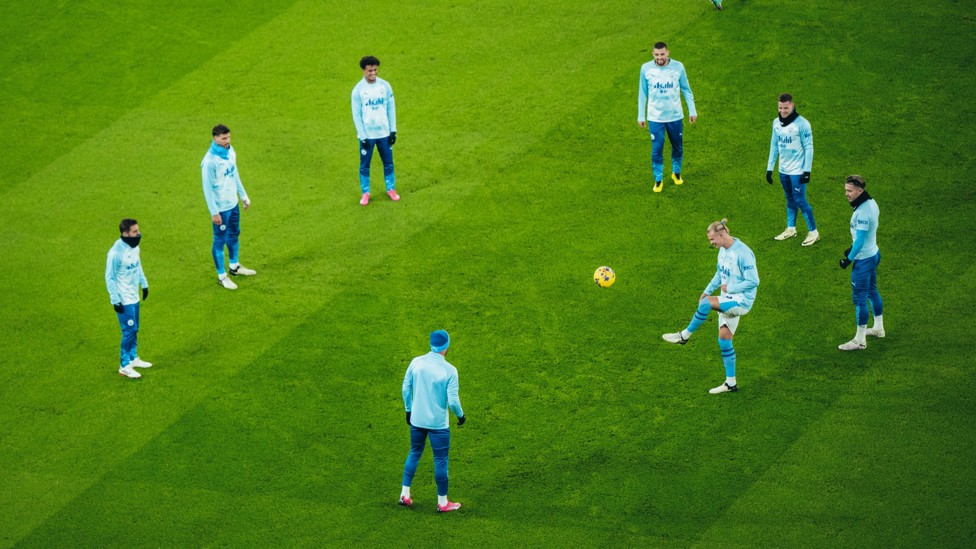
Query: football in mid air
pixel 604 277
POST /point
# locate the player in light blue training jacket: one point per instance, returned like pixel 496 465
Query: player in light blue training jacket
pixel 865 255
pixel 430 388
pixel 123 279
pixel 792 141
pixel 374 114
pixel 737 278
pixel 222 188
pixel 663 82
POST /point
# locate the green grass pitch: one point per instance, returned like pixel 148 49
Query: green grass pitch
pixel 273 415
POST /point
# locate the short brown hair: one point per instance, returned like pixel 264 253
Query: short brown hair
pixel 127 224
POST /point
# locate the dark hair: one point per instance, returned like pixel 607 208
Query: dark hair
pixel 126 224
pixel 367 61
pixel 660 46
pixel 785 98
pixel 856 180
pixel 220 129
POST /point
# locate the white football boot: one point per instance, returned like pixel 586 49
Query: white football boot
pixel 129 372
pixel 853 345
pixel 812 237
pixel 790 232
pixel 723 388
pixel 139 363
pixel 875 332
pixel 226 282
pixel 674 338
pixel 241 270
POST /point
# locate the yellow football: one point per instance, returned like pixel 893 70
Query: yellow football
pixel 604 277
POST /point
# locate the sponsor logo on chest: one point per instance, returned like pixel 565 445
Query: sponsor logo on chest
pixel 374 101
pixel 786 136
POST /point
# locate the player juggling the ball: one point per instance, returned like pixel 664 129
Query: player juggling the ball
pixel 374 114
pixel 123 278
pixel 865 256
pixel 737 278
pixel 430 388
pixel 222 188
pixel 663 82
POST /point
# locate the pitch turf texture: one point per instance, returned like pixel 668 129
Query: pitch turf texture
pixel 273 415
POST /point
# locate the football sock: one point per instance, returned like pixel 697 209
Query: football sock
pixel 730 381
pixel 861 334
pixel 700 315
pixel 442 500
pixel 728 358
pixel 685 334
pixel 878 323
pixel 405 492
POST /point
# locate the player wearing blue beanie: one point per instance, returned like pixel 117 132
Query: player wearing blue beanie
pixel 430 388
